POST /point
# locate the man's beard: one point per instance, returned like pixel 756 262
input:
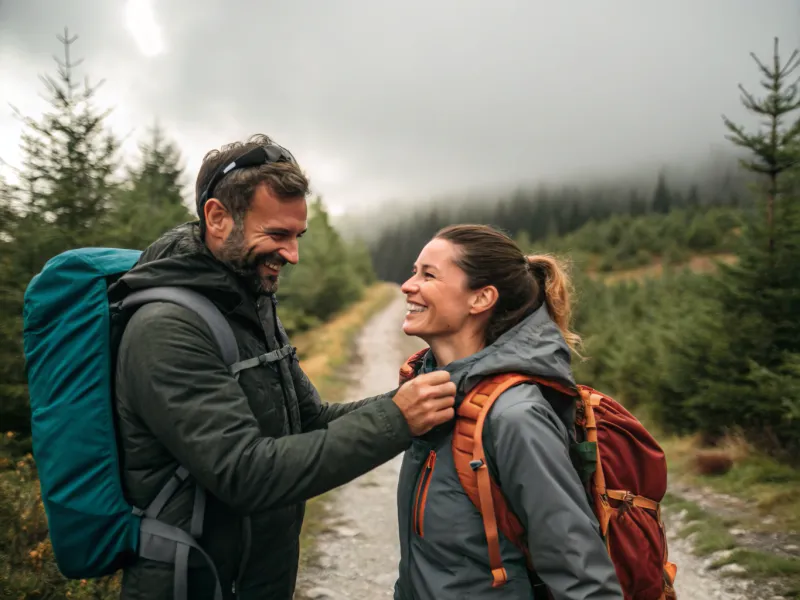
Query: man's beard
pixel 244 262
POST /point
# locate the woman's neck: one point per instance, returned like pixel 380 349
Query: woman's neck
pixel 450 349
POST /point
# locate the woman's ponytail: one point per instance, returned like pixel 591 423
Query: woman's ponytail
pixel 556 287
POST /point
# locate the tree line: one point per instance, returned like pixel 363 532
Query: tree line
pixel 551 213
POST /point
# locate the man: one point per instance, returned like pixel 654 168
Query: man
pixel 259 444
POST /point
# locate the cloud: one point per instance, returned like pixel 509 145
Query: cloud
pixel 385 100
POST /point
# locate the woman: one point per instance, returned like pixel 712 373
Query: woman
pixel 485 308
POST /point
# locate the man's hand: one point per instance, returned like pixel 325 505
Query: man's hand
pixel 427 401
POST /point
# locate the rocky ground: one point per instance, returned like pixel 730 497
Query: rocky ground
pixel 358 552
pixel 698 578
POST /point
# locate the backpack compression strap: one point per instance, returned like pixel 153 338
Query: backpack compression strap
pixel 165 543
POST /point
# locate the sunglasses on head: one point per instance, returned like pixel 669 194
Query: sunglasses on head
pixel 261 155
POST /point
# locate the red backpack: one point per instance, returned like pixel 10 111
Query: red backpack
pixel 621 464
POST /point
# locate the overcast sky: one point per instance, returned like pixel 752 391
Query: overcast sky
pixel 384 99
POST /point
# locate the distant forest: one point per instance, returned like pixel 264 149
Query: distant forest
pixel 552 212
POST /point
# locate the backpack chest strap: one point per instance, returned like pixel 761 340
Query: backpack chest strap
pixel 262 359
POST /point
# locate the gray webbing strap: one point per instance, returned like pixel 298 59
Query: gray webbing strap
pixel 198 512
pixel 165 543
pixel 180 582
pixel 160 501
pixel 220 328
pixel 177 549
pixel 263 359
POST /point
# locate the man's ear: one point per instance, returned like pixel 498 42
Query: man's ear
pixel 218 220
pixel 484 300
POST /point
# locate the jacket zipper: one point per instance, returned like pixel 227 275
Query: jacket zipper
pixel 421 496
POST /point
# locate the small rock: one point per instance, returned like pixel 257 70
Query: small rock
pixel 346 532
pixel 738 532
pixel 721 555
pixel 691 523
pixel 768 520
pixel 732 568
pixel 319 593
pixel 791 548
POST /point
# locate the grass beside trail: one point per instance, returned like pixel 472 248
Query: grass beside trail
pixel 770 489
pixel 323 352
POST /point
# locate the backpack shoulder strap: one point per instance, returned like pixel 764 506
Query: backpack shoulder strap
pixel 473 472
pixel 220 328
pixel 159 541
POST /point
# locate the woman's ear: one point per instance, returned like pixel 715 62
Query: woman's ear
pixel 483 300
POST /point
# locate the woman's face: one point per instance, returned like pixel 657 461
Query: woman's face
pixel 439 302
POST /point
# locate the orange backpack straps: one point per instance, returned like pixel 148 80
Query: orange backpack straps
pixel 627 481
pixel 473 473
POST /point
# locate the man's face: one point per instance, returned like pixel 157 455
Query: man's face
pixel 266 239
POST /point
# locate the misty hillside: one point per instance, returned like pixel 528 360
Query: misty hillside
pixel 674 212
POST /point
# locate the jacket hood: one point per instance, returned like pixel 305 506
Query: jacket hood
pixel 181 258
pixel 534 347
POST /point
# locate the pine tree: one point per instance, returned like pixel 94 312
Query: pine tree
pixel 662 199
pixel 59 201
pixel 693 199
pixel 68 174
pixel 750 334
pixel 151 201
pixel 772 148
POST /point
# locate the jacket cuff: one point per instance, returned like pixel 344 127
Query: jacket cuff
pixel 394 423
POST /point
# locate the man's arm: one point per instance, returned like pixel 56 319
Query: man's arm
pixel 316 414
pixel 171 370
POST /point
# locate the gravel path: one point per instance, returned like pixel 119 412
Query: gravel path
pixel 359 553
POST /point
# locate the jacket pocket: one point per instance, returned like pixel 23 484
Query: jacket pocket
pixel 421 496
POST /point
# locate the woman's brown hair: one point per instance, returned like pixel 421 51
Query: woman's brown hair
pixel 489 257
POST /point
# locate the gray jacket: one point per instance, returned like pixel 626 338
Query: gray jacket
pixel 444 553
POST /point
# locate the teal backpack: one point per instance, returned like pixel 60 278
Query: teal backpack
pixel 70 335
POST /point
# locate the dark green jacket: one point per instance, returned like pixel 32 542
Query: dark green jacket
pixel 260 445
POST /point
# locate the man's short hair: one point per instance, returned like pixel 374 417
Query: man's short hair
pixel 236 189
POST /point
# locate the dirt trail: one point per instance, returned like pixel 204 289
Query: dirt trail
pixel 359 553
